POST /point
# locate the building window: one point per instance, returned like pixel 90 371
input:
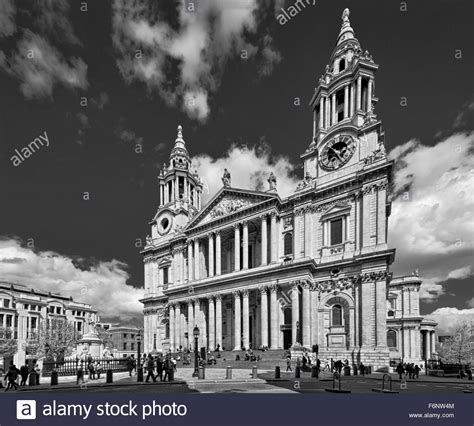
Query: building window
pixel 132 346
pixel 124 335
pixel 391 338
pixel 79 326
pixel 336 231
pixel 125 346
pixel 342 65
pixel 337 315
pixel 9 320
pixel 33 322
pixel 288 243
pixel 165 275
pixel 6 303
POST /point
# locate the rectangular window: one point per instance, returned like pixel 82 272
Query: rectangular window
pixel 9 320
pixel 58 310
pixel 6 303
pixel 27 306
pixel 79 326
pixel 336 231
pixel 132 346
pixel 33 322
pixel 165 275
pixel 124 335
pixel 125 346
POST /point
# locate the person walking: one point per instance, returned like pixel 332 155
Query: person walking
pixel 400 370
pixel 288 364
pixel 37 371
pixel 12 375
pixel 416 372
pixel 24 370
pixel 159 369
pixel 91 368
pixel 150 366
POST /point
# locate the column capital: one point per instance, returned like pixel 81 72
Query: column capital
pixel 218 232
pixel 244 222
pixel 236 293
pixel 263 216
pixel 274 214
pixel 245 292
pixel 210 299
pixel 263 290
pixel 210 235
pixel 273 288
pixel 218 296
pixel 236 225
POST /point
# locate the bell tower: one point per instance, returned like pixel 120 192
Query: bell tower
pixel 345 128
pixel 180 192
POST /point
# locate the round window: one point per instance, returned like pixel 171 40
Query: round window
pixel 165 223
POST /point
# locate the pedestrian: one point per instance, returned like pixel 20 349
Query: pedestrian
pixel 150 366
pixel 97 368
pixel 469 372
pixel 304 361
pixel 91 368
pixel 318 365
pixel 37 371
pixel 12 375
pixel 24 370
pixel 416 371
pixel 362 369
pixel 130 363
pixel 167 368
pixel 400 370
pixel 288 363
pixel 159 369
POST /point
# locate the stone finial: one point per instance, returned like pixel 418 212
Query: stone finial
pixel 345 15
pixel 180 132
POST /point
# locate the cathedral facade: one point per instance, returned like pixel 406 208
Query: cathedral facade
pixel 252 269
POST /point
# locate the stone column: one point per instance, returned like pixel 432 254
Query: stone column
pixel 173 194
pixel 321 113
pixel 295 312
pixel 264 244
pixel 245 318
pixel 219 320
pixel 166 193
pixel 181 265
pixel 236 247
pixel 218 253
pixel 273 318
pixel 381 312
pixel 369 96
pixel 333 109
pixel 327 110
pixel 196 259
pixel 190 261
pixel 176 185
pixel 171 327
pixel 177 326
pixel 359 93
pixel 237 315
pixel 352 101
pixel 433 342
pixel 185 188
pixel 212 325
pixel 191 324
pixel 346 101
pixel 306 316
pixel 274 239
pixel 211 255
pixel 245 245
pixel 162 195
pixel 366 309
pixel 264 315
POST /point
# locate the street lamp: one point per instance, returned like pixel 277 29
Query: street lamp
pixel 139 361
pixel 196 362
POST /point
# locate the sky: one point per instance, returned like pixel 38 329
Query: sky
pixel 105 85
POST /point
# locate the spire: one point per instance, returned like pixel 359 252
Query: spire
pixel 346 30
pixel 179 142
pixel 179 154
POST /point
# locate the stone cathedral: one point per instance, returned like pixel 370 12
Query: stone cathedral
pixel 252 269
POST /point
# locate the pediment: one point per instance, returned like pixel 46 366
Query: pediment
pixel 229 201
pixel 336 209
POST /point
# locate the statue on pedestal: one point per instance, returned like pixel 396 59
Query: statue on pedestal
pixel 226 179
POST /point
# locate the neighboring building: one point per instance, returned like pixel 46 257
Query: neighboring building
pixel 252 269
pixel 24 310
pixel 125 340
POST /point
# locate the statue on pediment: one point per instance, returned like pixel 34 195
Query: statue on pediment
pixel 272 181
pixel 226 179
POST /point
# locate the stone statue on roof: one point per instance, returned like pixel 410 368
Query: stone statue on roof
pixel 226 179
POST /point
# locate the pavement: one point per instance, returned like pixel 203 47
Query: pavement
pixel 242 382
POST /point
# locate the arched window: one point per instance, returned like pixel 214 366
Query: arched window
pixel 391 338
pixel 336 315
pixel 342 65
pixel 288 243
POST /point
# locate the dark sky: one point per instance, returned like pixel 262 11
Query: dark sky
pixel 43 198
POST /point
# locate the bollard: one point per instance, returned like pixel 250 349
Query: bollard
pixel 139 374
pixel 54 378
pixel 80 377
pixel 32 379
pixel 202 373
pixel 277 372
pixel 171 375
pixel 314 371
pixel 297 372
pixel 254 372
pixel 355 370
pixel 347 371
pixel 228 372
pixel 110 376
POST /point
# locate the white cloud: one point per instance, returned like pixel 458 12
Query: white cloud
pixel 432 217
pixel 102 283
pixel 184 62
pixel 249 168
pixel 447 318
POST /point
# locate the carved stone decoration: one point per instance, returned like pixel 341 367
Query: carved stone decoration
pixel 272 181
pixel 226 179
pixel 228 206
pixel 306 183
pixel 263 290
pixel 287 222
pixel 149 240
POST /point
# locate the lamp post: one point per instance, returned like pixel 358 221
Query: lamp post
pixel 196 361
pixel 139 361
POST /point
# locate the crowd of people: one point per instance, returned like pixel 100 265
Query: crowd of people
pixel 13 373
pixel 159 366
pixel 408 369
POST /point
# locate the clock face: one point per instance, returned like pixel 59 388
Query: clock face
pixel 164 224
pixel 337 152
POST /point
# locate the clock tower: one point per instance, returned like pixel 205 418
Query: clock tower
pixel 346 132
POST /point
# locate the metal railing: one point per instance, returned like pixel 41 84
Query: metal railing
pixel 70 367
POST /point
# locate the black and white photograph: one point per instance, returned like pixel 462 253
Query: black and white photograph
pixel 236 212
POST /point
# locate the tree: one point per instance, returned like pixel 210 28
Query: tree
pixel 105 337
pixel 457 348
pixel 54 341
pixel 8 344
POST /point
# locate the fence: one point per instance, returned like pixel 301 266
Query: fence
pixel 70 367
